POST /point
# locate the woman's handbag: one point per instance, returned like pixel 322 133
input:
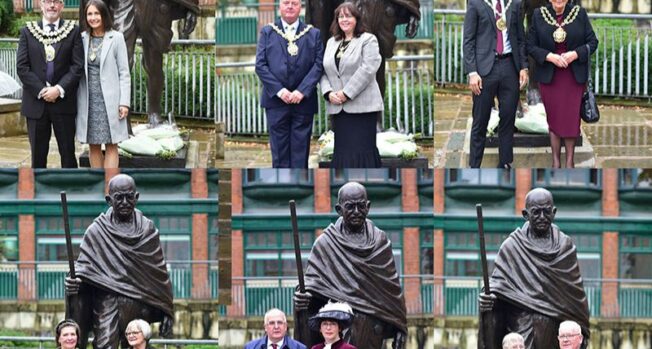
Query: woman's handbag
pixel 589 108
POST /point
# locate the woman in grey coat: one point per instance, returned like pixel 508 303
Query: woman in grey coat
pixel 353 98
pixel 105 89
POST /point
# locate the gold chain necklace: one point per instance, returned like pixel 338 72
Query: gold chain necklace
pixel 93 53
pixel 50 38
pixel 501 24
pixel 342 48
pixel 293 49
pixel 559 35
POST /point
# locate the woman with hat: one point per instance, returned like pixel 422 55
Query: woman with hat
pixel 331 320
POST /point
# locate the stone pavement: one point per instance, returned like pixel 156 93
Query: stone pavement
pixel 622 138
pixel 244 152
pixel 14 150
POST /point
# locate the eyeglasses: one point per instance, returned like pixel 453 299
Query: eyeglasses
pixel 538 211
pixel 132 333
pixel 121 196
pixel 53 2
pixel 350 205
pixel 568 336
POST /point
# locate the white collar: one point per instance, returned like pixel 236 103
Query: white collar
pixel 56 23
pixel 286 24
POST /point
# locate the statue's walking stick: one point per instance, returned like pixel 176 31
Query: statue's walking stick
pixel 71 262
pixel 486 318
pixel 300 317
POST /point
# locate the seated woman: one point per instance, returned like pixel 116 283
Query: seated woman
pixel 353 98
pixel 66 334
pixel 331 320
pixel 138 334
pixel 105 88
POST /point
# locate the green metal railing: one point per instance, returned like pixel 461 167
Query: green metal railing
pixel 45 280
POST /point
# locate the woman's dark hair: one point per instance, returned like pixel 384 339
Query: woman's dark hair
pixel 63 324
pixel 335 29
pixel 107 19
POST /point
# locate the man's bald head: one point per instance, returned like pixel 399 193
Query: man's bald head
pixel 538 196
pixel 121 182
pixel 351 190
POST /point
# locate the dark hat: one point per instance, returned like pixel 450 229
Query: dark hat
pixel 340 312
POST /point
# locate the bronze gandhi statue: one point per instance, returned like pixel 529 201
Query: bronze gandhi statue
pixel 352 262
pixel 121 272
pixel 536 282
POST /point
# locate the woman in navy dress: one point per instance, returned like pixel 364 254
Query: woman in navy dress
pixel 561 41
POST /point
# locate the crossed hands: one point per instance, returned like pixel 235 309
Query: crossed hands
pixel 563 60
pixel 49 94
pixel 337 97
pixel 294 97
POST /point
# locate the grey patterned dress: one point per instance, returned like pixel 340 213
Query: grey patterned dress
pixel 98 120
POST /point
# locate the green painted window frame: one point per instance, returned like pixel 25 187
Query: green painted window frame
pixel 628 174
pixel 279 248
pixel 388 176
pixel 426 241
pixel 9 232
pixel 589 174
pixel 425 176
pixel 253 177
pixel 453 172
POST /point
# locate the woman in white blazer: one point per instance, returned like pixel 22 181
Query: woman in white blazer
pixel 105 89
pixel 349 85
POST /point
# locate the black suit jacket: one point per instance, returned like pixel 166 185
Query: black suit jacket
pixel 579 33
pixel 68 68
pixel 480 37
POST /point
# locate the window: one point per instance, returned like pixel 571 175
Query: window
pixel 364 175
pixel 272 253
pixel 636 178
pixel 9 239
pixel 497 177
pixel 462 252
pixel 426 255
pixel 567 177
pixel 635 256
pixel 589 247
pixel 277 176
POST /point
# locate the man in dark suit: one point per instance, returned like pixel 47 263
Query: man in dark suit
pixel 50 63
pixel 495 59
pixel 289 64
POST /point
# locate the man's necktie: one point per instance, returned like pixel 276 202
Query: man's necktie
pixel 274 346
pixel 49 69
pixel 499 33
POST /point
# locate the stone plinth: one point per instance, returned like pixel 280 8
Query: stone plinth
pixel 11 122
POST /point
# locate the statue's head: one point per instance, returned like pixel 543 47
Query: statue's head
pixel 570 335
pixel 122 197
pixel 290 10
pixel 352 205
pixel 276 324
pixel 539 210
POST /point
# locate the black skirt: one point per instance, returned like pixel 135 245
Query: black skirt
pixel 355 141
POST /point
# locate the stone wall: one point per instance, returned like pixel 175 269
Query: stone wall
pixel 193 320
pixel 461 333
pixel 11 123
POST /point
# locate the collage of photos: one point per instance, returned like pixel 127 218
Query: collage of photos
pixel 355 174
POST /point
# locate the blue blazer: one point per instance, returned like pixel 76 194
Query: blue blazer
pixel 288 343
pixel 277 69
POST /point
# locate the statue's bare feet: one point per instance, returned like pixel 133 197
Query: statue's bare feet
pixel 154 120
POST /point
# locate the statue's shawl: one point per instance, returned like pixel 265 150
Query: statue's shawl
pixel 547 282
pixel 363 275
pixel 129 263
pixel 412 7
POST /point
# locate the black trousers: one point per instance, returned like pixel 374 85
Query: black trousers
pixel 40 132
pixel 501 82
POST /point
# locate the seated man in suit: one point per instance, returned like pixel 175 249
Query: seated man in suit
pixel 495 59
pixel 289 65
pixel 49 62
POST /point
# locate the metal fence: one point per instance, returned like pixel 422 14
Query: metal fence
pixel 239 24
pixel 189 89
pixel 45 280
pixel 48 342
pixel 458 296
pixel 253 296
pixel 621 65
pixel 442 296
pixel 408 98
